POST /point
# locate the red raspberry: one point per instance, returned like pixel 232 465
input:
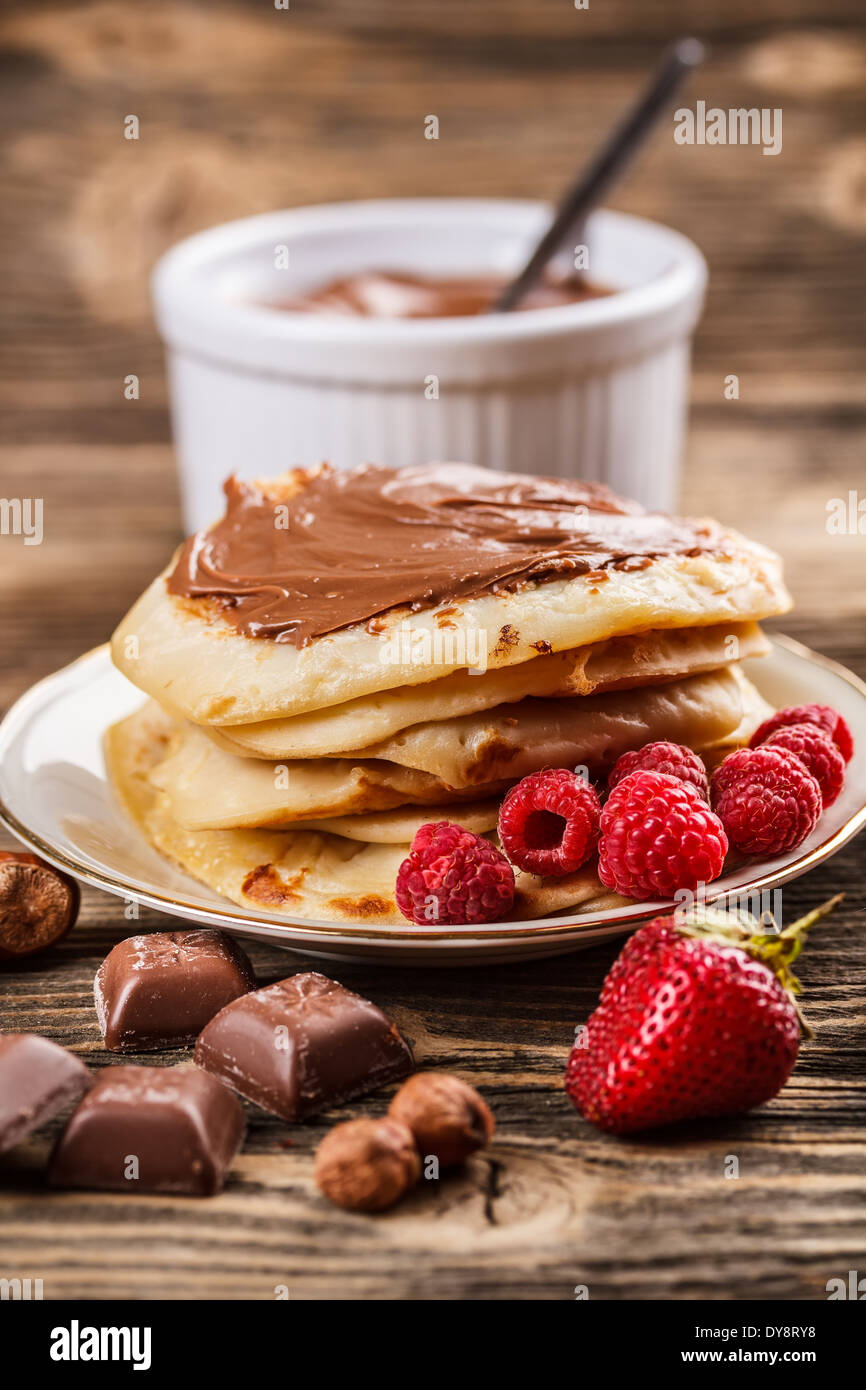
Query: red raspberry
pixel 673 758
pixel 824 716
pixel 766 799
pixel 818 754
pixel 453 877
pixel 658 836
pixel 548 823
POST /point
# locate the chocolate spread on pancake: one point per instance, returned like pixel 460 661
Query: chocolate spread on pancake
pixel 353 544
pixel 384 294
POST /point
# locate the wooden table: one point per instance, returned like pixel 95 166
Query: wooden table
pixel 243 108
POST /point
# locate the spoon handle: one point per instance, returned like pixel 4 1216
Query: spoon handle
pixel 608 162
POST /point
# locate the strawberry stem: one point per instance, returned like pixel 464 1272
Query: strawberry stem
pixel 774 948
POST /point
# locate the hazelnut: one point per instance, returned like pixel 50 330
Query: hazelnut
pixel 447 1117
pixel 367 1165
pixel 38 904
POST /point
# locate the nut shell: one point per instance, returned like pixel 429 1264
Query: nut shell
pixel 367 1165
pixel 447 1117
pixel 38 904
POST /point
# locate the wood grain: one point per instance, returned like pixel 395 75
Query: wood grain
pixel 244 109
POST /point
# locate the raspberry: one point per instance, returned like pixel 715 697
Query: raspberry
pixel 673 758
pixel 824 716
pixel 818 754
pixel 658 836
pixel 453 877
pixel 766 799
pixel 548 823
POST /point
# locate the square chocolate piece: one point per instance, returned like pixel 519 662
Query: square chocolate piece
pixel 303 1045
pixel 158 991
pixel 151 1129
pixel 37 1079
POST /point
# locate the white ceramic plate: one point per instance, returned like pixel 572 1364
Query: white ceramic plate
pixel 55 798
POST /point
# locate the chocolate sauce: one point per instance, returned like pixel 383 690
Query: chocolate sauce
pixel 353 544
pixel 385 294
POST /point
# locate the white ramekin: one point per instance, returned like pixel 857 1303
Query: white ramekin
pixel 596 390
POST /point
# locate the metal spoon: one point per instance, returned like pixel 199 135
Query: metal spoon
pixel 606 166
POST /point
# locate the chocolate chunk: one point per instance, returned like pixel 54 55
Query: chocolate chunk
pixel 151 1129
pixel 37 1079
pixel 303 1045
pixel 159 991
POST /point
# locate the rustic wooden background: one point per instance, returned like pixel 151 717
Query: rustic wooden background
pixel 243 108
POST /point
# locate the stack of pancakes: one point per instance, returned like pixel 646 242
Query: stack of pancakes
pixel 347 655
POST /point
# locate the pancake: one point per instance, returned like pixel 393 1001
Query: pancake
pixel 399 827
pixel 305 873
pixel 208 788
pixel 295 874
pixel 211 789
pixel 616 664
pixel 346 655
pixel 593 730
pixel 607 569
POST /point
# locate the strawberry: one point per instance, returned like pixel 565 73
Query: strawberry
pixel 697 1017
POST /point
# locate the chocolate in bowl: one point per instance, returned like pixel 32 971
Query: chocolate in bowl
pixel 387 294
pixel 593 389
